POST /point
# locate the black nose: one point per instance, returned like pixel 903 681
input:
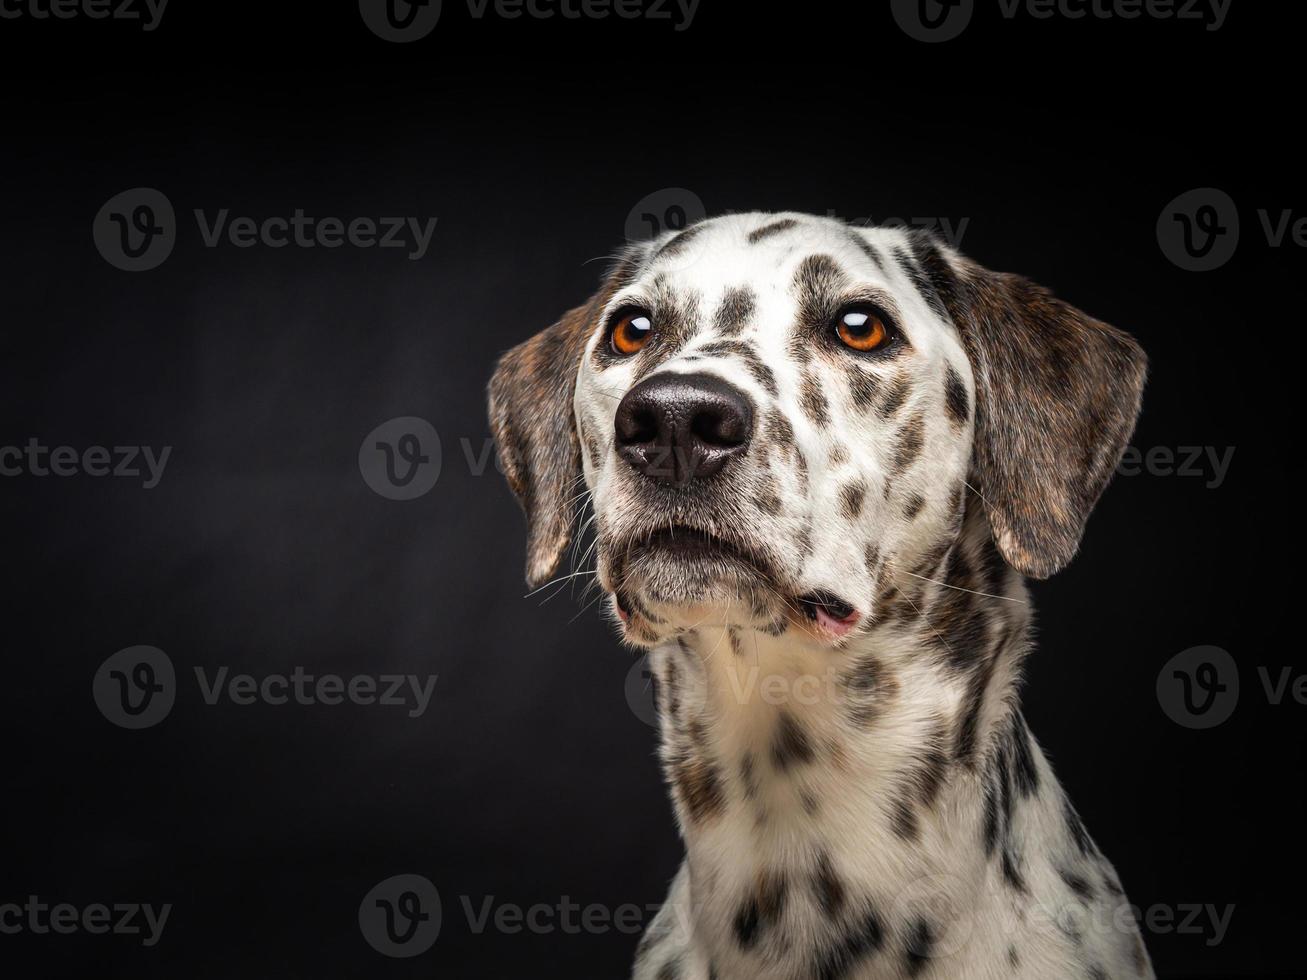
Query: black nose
pixel 676 428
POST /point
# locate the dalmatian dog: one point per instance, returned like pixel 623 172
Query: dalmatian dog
pixel 821 460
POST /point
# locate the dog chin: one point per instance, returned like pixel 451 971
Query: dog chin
pixel 680 581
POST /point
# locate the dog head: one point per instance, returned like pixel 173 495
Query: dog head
pixel 771 413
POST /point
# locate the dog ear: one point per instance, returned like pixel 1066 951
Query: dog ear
pixel 534 425
pixel 1057 396
pixel 534 428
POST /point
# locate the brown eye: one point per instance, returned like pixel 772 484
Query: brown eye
pixel 862 329
pixel 631 332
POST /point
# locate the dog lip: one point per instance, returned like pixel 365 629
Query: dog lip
pixel 686 540
pixel 831 613
pixel 695 544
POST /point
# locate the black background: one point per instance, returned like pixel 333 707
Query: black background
pixel 530 778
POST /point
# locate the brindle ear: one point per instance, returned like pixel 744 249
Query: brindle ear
pixel 1057 395
pixel 534 426
pixel 535 433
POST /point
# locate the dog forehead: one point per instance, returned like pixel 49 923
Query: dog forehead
pixel 760 251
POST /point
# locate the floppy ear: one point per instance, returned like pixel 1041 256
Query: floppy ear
pixel 1057 396
pixel 535 433
pixel 534 426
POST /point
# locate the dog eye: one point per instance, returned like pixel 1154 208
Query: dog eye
pixel 863 329
pixel 631 332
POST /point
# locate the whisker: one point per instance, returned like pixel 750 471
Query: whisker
pixel 987 595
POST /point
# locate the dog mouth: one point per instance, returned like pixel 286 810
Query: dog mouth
pixel 684 565
pixel 680 543
pixel 829 612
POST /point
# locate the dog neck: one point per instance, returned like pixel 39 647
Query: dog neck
pixel 777 747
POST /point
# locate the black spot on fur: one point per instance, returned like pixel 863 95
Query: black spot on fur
pixel 866 936
pixel 956 401
pixel 870 687
pixel 813 402
pixel 869 250
pixel 896 393
pixel 677 243
pixel 851 499
pixel 827 886
pixel 863 388
pixel 921 784
pixel 920 278
pixel 735 311
pixel 1023 760
pixel 1012 872
pixel 871 559
pixel 752 362
pixel 768 230
pixel 920 946
pixel 907 448
pixel 761 909
pixel 913 507
pixel 699 785
pixel 791 745
pixel 1078 884
pixel 818 284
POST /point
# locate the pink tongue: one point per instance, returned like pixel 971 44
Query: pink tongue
pixel 837 626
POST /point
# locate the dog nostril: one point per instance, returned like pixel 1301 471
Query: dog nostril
pixel 724 429
pixel 637 426
pixel 676 428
